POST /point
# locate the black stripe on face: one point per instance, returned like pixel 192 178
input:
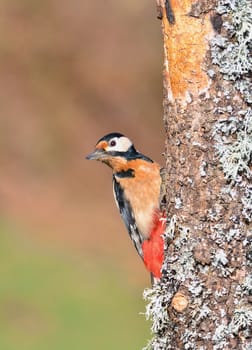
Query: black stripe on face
pixel 130 154
pixel 125 173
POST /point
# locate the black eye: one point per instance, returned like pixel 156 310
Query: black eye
pixel 112 143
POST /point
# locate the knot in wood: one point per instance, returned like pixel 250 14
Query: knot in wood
pixel 179 302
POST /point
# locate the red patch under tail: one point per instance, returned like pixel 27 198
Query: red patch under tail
pixel 153 248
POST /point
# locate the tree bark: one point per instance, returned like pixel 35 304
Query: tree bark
pixel 204 299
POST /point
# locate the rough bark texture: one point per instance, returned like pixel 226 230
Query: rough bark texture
pixel 204 298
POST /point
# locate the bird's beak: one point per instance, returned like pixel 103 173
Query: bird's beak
pixel 98 154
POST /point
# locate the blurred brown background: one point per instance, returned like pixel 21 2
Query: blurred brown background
pixel 72 71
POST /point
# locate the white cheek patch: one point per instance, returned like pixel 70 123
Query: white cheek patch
pixel 122 144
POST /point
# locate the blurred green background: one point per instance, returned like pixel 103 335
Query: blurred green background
pixel 72 71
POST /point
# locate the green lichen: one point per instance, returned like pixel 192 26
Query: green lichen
pixel 234 145
pixel 241 320
pixel 233 53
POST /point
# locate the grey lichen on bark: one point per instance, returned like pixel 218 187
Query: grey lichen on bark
pixel 204 299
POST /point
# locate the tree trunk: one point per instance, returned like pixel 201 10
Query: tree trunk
pixel 204 299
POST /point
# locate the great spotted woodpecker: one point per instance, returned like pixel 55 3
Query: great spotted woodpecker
pixel 136 185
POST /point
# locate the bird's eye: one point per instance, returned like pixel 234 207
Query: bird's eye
pixel 112 143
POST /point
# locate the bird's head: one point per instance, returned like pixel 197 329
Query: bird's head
pixel 113 149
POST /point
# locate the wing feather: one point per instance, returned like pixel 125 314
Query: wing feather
pixel 127 216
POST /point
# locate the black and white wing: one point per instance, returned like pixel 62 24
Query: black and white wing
pixel 127 216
